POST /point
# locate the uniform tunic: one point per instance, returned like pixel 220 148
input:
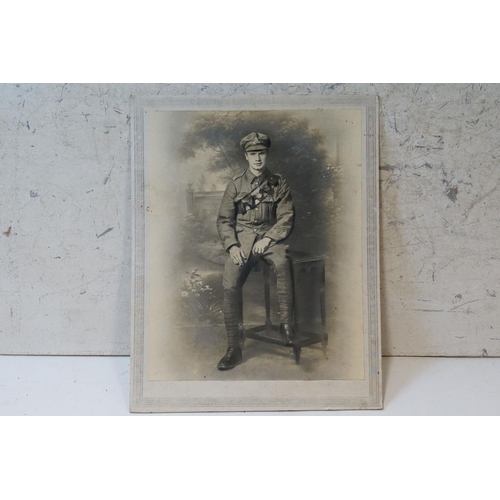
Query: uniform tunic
pixel 270 217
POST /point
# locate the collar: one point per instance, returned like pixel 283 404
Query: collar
pixel 250 177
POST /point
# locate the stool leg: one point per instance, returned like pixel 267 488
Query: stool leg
pixel 324 333
pixel 296 348
pixel 267 297
pixel 296 351
pixel 295 300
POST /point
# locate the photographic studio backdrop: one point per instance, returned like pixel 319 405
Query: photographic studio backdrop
pixel 65 214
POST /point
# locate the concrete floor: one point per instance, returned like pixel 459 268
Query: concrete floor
pixel 89 385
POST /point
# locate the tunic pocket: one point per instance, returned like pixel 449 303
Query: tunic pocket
pixel 268 210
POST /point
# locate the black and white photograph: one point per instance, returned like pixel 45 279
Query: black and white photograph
pixel 253 226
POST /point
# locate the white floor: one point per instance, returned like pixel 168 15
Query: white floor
pixel 79 385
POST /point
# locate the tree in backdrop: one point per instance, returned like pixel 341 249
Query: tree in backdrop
pixel 297 152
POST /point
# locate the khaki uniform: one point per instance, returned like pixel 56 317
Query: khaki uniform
pixel 253 208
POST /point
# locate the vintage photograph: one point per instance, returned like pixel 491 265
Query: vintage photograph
pixel 251 255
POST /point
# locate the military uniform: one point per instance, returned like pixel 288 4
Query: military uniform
pixel 253 208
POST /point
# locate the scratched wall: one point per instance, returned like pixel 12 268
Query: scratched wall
pixel 65 214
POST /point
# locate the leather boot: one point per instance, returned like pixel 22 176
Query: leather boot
pixel 287 333
pixel 232 358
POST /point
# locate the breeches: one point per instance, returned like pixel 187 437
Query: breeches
pixel 235 277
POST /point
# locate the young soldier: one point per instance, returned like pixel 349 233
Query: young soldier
pixel 255 215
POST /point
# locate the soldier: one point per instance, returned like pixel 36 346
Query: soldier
pixel 255 216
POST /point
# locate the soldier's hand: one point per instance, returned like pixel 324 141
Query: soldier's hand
pixel 237 255
pixel 261 246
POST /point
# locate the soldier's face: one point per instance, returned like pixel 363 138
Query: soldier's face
pixel 256 159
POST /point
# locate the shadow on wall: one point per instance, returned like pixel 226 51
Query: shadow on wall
pixel 398 244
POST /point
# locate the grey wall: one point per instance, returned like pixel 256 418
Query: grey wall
pixel 65 214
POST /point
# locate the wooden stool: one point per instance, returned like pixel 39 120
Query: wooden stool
pixel 304 267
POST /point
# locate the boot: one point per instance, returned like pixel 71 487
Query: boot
pixel 287 333
pixel 232 358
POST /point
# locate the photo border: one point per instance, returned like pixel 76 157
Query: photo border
pixel 369 397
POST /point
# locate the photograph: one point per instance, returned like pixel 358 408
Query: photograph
pixel 256 254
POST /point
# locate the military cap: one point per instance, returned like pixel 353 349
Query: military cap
pixel 255 142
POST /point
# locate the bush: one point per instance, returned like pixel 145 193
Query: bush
pixel 201 299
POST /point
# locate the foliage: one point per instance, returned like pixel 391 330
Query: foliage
pixel 200 301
